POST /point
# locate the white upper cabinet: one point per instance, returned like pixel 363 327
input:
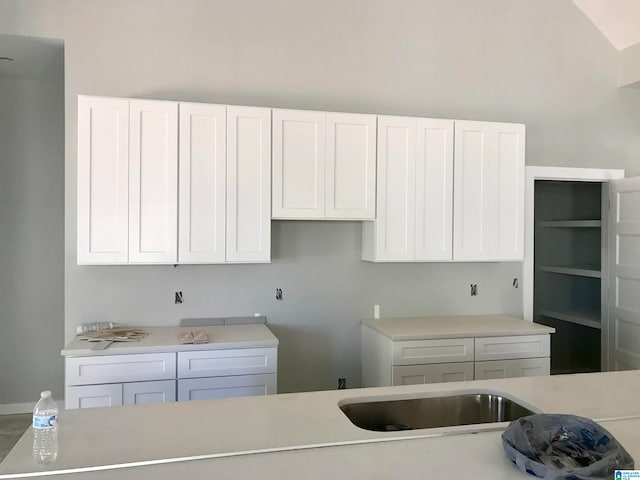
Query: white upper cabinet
pixel 350 175
pixel 203 183
pixel 392 236
pixel 323 165
pixel 298 164
pixel 248 184
pixel 488 191
pixel 153 181
pixel 415 168
pixel 103 180
pixel 434 190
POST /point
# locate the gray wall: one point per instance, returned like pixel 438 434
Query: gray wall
pixel 31 226
pixel 539 62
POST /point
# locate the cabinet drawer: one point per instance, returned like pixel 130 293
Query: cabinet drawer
pixel 436 373
pixel 141 393
pixel 120 368
pixel 89 396
pixel 220 363
pixel 225 387
pixel 525 367
pixel 415 352
pixel 504 348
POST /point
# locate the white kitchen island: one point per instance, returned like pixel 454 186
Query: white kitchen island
pixel 306 435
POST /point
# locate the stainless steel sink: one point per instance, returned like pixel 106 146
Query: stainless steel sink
pixel 432 412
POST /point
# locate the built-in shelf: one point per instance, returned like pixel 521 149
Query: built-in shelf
pixel 572 223
pixel 585 317
pixel 581 271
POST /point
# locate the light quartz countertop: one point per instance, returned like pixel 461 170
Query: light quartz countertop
pixel 165 339
pixel 426 328
pixel 307 433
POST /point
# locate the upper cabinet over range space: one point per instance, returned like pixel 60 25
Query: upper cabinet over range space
pixel 172 182
pixel 324 165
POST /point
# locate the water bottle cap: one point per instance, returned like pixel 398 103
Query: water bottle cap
pixel 45 394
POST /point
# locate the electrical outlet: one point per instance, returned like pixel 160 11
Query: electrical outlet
pixel 177 299
pixel 278 294
pixel 515 283
pixel 342 383
pixel 474 289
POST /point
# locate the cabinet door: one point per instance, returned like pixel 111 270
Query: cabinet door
pixel 202 183
pixel 488 191
pixel 392 234
pixel 525 367
pixel 140 393
pixel 350 166
pixel 434 190
pixel 153 182
pixel 225 387
pixel 103 178
pixel 248 184
pixel 90 396
pixel 437 373
pixel 298 164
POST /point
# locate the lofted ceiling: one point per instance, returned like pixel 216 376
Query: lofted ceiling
pixel 618 20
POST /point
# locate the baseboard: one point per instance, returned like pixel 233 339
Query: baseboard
pixel 13 408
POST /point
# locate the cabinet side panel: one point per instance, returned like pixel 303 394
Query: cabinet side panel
pixel 202 183
pixel 376 358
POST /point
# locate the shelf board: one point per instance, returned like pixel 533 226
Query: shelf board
pixel 581 271
pixel 585 317
pixel 572 223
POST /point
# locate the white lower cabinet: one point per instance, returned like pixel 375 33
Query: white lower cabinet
pixel 224 387
pixel 523 367
pixel 436 373
pixel 135 379
pixel 387 362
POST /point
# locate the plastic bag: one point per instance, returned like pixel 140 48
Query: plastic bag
pixel 564 447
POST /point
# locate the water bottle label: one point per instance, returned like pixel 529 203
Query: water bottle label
pixel 44 422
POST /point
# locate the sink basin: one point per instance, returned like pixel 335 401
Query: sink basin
pixel 432 412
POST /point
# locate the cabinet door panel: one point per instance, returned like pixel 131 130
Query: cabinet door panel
pixel 248 184
pixel 472 189
pixel 120 368
pixel 526 367
pixel 434 190
pixel 510 141
pixel 350 166
pixel 437 373
pixel 103 178
pixel 298 164
pixel 225 387
pixel 395 223
pixel 153 182
pixel 239 361
pixel 202 183
pixel 90 396
pixel 142 393
pixel 411 352
pixel 516 346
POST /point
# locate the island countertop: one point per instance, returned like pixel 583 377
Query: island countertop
pixel 460 326
pixel 165 339
pixel 203 437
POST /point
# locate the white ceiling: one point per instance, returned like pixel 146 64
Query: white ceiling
pixel 618 20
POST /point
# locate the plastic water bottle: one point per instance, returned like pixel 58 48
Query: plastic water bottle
pixel 45 429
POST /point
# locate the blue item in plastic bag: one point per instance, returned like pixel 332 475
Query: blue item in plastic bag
pixel 564 447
